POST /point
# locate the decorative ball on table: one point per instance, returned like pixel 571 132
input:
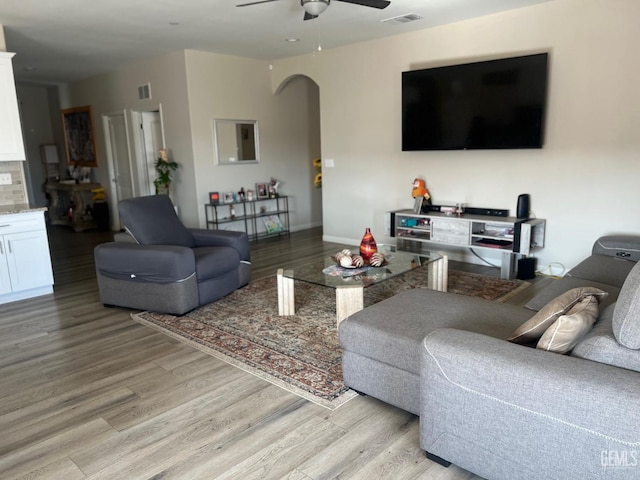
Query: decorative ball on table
pixel 345 261
pixel 377 259
pixel 357 261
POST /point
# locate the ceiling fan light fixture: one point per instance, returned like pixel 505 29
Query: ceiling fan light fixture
pixel 314 7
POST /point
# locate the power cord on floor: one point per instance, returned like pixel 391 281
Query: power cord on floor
pixel 484 260
pixel 549 267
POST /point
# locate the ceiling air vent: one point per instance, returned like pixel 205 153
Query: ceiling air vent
pixel 144 92
pixel 409 17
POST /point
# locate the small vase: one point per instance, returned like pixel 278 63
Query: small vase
pixel 367 246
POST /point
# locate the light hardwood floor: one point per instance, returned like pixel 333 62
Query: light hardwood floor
pixel 87 392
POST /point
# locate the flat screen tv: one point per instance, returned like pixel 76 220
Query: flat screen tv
pixel 493 104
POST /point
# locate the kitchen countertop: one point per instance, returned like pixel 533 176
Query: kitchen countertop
pixel 20 208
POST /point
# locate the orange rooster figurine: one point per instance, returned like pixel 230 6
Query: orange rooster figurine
pixel 420 189
pixel 420 194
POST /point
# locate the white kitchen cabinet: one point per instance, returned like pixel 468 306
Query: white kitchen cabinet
pixel 25 262
pixel 11 144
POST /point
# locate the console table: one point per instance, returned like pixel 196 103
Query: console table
pixel 513 237
pixel 275 214
pixel 66 195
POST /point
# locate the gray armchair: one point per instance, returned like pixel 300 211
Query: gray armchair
pixel 166 267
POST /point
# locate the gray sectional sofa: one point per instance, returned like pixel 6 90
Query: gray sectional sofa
pixel 503 410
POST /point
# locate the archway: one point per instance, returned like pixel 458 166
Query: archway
pixel 305 88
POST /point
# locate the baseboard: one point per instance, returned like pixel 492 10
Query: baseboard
pixel 343 240
pixel 306 226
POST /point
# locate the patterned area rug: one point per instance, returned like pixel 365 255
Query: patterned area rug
pixel 300 353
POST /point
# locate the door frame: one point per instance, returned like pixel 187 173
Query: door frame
pixel 113 188
pixel 138 146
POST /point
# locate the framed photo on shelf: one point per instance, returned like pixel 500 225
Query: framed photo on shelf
pixel 227 197
pixel 262 190
pixel 417 204
pixel 272 224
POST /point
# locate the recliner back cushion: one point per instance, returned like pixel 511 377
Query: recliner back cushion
pixel 626 316
pixel 626 247
pixel 600 345
pixel 152 220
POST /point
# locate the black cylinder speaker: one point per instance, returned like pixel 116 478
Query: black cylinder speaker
pixel 522 210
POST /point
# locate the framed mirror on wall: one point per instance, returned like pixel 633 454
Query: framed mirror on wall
pixel 236 141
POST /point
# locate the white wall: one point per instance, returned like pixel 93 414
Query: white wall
pixel 229 87
pixel 195 87
pixel 584 181
pixel 36 131
pixel 118 91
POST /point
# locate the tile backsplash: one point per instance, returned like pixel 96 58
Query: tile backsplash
pixel 16 193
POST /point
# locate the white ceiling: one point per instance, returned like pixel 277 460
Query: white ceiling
pixel 66 40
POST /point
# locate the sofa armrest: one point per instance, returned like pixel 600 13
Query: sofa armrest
pixel 223 238
pixel 144 263
pixel 495 408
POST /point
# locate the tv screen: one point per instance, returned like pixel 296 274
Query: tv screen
pixel 482 105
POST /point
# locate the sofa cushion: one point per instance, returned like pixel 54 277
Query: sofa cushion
pixel 600 345
pixel 391 331
pixel 603 269
pixel 569 328
pixel 152 220
pixel 161 264
pixel 558 287
pixel 626 317
pixel 533 328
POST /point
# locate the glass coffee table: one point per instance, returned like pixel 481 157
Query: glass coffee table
pixel 349 283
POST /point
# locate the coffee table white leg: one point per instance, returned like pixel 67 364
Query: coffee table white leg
pixel 439 274
pixel 286 297
pixel 349 300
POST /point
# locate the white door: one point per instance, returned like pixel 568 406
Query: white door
pixel 119 163
pixel 122 175
pixel 151 141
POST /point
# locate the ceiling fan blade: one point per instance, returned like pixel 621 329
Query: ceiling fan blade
pixel 255 3
pixel 369 3
pixel 308 16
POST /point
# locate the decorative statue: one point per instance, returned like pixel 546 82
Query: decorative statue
pixel 420 189
pixel 420 194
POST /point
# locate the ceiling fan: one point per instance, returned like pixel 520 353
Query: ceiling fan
pixel 313 8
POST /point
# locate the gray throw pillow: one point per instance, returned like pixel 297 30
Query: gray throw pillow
pixel 626 316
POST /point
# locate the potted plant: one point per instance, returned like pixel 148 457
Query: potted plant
pixel 164 168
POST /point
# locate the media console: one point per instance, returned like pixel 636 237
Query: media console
pixel 513 237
